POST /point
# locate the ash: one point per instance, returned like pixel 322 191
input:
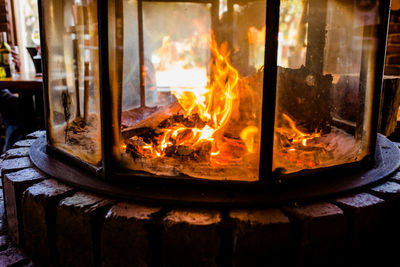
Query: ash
pixel 336 147
pixel 80 138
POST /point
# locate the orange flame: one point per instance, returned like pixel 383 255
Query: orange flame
pixel 247 135
pixel 297 150
pixel 293 133
pixel 214 105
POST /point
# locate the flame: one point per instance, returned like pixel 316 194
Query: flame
pixel 296 146
pixel 294 134
pixel 247 135
pixel 213 104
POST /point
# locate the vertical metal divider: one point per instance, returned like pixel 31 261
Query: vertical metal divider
pixel 384 12
pixel 45 88
pixel 141 54
pixel 117 70
pixel 317 12
pixel 269 91
pixel 105 93
pixel 362 88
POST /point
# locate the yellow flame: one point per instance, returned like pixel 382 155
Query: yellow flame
pixel 297 136
pixel 214 104
pixel 247 135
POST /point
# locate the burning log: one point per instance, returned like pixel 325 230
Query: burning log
pixel 148 120
pixel 210 132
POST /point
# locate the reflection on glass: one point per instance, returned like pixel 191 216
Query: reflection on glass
pixel 191 87
pixel 72 55
pixel 324 90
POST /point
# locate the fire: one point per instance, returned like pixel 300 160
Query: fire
pixel 293 133
pixel 296 146
pixel 214 103
pixel 247 135
pixel 213 106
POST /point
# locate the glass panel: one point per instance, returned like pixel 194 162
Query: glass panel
pixel 325 83
pixel 72 54
pixel 196 108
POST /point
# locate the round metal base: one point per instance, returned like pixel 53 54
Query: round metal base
pixel 329 182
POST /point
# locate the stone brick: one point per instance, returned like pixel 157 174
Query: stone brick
pixel 260 237
pixel 12 257
pixel 17 153
pixel 365 216
pixel 191 238
pixel 124 233
pixel 2 215
pixel 320 230
pixel 78 222
pixel 364 210
pixel 24 143
pixel 39 205
pixel 1 169
pixel 36 134
pixel 15 184
pixel 11 165
pixel 395 177
pixel 389 191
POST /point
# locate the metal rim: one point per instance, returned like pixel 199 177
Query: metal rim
pixel 198 193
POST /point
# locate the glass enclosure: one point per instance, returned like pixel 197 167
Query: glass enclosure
pixel 186 92
pixel 71 33
pixel 326 62
pixel 187 81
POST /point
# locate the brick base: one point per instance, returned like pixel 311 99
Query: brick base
pixel 62 226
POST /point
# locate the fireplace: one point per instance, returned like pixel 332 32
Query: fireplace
pixel 221 93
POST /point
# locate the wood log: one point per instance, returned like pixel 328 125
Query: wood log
pixel 153 120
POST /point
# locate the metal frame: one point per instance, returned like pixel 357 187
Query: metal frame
pixel 269 91
pixel 44 49
pixel 266 177
pixel 384 12
pixel 105 91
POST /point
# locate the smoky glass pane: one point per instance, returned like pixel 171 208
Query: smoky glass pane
pixel 325 83
pixel 187 86
pixel 72 57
